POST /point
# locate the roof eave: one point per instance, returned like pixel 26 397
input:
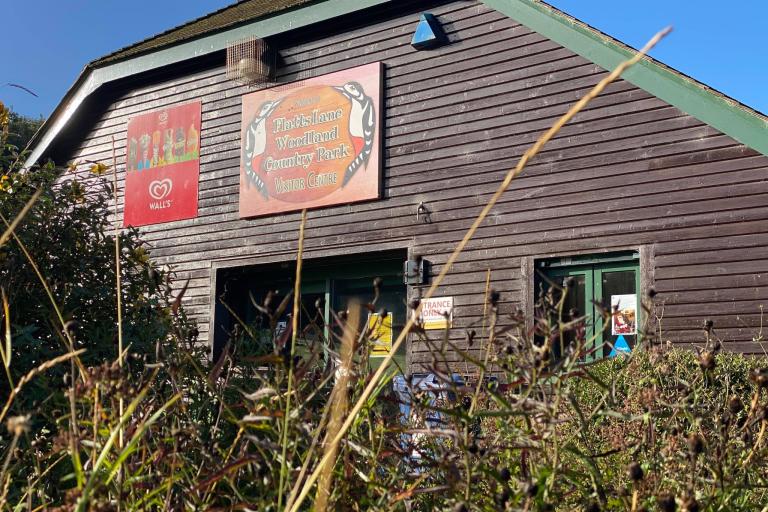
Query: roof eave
pixel 92 78
pixel 727 115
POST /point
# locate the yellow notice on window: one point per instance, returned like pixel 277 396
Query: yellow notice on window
pixel 380 329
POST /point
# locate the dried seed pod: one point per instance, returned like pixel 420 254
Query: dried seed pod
pixel 708 324
pixel 707 360
pixel 460 507
pixel 760 377
pixel 734 404
pixel 503 497
pixel 666 503
pixel 471 337
pixel 505 474
pixel 695 444
pixel 690 504
pixel 377 282
pixel 652 293
pixel 635 472
pixel 494 297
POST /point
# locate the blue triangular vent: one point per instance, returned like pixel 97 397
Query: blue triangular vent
pixel 428 33
pixel 621 345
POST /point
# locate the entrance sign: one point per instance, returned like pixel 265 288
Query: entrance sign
pixel 312 144
pixel 380 329
pixel 437 313
pixel 624 315
pixel 162 166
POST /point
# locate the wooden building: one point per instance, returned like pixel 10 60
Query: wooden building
pixel 659 183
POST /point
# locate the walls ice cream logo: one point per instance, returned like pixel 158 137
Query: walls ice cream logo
pixel 159 190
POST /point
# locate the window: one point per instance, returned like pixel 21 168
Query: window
pixel 595 284
pixel 327 286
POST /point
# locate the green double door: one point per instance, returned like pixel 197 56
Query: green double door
pixel 606 294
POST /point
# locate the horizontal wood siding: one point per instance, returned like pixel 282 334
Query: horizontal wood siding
pixel 630 171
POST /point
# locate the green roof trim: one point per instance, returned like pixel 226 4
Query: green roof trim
pixel 95 75
pixel 213 32
pixel 705 104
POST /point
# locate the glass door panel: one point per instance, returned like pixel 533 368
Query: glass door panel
pixel 617 294
pixel 391 300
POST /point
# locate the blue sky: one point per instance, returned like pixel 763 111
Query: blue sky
pixel 47 42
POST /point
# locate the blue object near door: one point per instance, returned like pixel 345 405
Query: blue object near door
pixel 621 346
pixel 436 390
pixel 429 33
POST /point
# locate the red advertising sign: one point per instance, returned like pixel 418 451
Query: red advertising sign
pixel 162 166
pixel 312 144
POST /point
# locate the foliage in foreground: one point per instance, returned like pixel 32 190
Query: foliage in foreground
pixel 663 429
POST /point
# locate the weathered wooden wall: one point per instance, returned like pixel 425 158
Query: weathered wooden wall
pixel 630 171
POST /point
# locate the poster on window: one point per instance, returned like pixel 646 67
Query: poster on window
pixel 624 314
pixel 162 166
pixel 312 144
pixel 380 333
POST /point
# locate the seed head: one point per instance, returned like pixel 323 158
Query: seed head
pixel 695 444
pixel 760 377
pixel 666 503
pixel 70 326
pixel 734 404
pixel 707 361
pixel 635 472
pixel 18 425
pixel 460 507
pixel 690 504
